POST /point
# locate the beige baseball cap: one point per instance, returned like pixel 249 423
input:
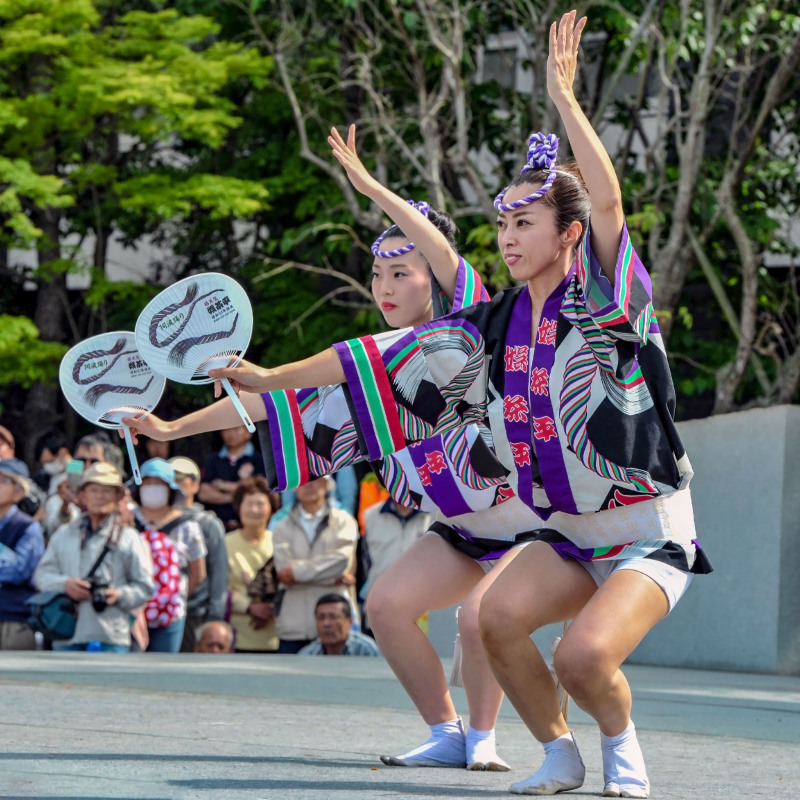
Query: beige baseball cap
pixel 185 466
pixel 104 474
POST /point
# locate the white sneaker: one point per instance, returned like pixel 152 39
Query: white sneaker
pixel 482 754
pixel 562 770
pixel 445 748
pixel 624 772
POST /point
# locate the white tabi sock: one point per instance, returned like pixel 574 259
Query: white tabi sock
pixel 624 772
pixel 445 748
pixel 482 752
pixel 562 769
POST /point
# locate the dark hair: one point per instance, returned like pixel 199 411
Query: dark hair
pixel 568 197
pixel 93 440
pixel 332 597
pixel 257 484
pixel 439 219
pixel 52 441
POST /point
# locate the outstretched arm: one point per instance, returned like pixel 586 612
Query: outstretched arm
pixel 429 239
pixel 593 160
pixel 322 369
pixel 216 417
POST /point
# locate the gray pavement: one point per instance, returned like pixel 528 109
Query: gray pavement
pixel 77 725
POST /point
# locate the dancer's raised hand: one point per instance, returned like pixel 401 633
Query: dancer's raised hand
pixel 562 61
pixel 346 155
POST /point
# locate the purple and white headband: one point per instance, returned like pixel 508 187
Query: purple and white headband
pixel 423 208
pixel 542 154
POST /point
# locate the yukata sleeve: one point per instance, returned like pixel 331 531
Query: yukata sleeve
pixel 469 288
pixel 408 385
pixel 624 310
pixel 308 433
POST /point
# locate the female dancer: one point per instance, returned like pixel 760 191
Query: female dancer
pixel 571 370
pixel 479 520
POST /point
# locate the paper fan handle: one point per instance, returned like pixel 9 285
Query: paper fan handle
pixel 137 476
pixel 237 403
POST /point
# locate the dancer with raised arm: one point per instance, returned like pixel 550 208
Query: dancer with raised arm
pixel 571 370
pixel 479 522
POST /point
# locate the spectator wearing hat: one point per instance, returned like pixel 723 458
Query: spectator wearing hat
pixel 33 500
pixel 207 602
pixel 126 572
pixel 62 506
pixel 159 509
pixel 21 547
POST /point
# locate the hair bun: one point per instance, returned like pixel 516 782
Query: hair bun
pixel 423 207
pixel 542 151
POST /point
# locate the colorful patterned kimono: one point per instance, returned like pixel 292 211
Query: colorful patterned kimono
pixel 455 476
pixel 582 421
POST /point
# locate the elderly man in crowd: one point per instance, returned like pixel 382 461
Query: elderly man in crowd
pixel 21 547
pixel 215 638
pixel 335 634
pixel 62 506
pixel 126 572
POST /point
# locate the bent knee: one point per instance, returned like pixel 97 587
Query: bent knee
pixel 387 605
pixel 500 619
pixel 583 666
pixel 381 607
pixel 468 618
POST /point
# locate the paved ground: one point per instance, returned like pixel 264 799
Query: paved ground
pixel 75 725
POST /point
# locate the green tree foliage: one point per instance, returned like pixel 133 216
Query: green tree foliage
pixel 24 357
pixel 95 101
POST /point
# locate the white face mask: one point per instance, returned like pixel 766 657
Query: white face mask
pixel 53 467
pixel 153 496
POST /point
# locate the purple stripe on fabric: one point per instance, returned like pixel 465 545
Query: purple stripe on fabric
pixel 516 408
pixel 430 459
pixel 549 449
pixel 275 451
pixel 569 550
pixel 402 343
pixel 492 554
pixel 362 418
pixel 461 281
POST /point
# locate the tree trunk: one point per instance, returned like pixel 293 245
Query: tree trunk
pixel 42 403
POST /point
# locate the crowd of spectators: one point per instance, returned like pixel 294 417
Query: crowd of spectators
pixel 192 560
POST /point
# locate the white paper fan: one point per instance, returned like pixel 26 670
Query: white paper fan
pixel 105 378
pixel 197 324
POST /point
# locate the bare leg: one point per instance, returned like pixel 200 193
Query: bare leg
pixel 430 574
pixel 602 636
pixel 484 695
pixel 537 588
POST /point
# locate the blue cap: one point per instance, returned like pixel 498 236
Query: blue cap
pixel 16 470
pixel 161 469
